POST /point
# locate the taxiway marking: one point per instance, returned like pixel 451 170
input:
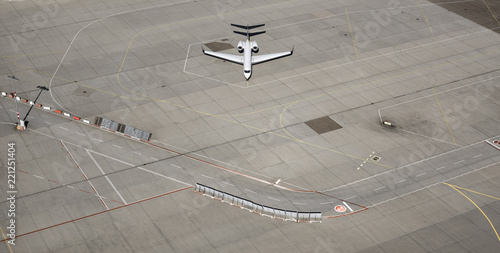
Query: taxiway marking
pixel 38 176
pixel 84 175
pixel 228 183
pixel 105 176
pixel 352 36
pixel 105 211
pixel 250 191
pixel 273 198
pixel 419 175
pixel 491 224
pixel 203 175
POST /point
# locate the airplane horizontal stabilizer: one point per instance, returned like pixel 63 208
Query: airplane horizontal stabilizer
pixel 248 26
pixel 251 34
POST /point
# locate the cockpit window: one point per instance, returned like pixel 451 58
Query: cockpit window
pixel 246 71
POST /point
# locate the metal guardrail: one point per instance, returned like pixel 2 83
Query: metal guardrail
pixel 248 205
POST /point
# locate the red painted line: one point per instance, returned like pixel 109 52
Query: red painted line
pixel 84 217
pixel 118 202
pixel 23 171
pixel 53 181
pixel 84 191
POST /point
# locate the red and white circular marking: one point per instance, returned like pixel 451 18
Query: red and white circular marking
pixel 340 208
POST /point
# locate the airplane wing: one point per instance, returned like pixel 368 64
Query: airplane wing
pixel 228 57
pixel 267 57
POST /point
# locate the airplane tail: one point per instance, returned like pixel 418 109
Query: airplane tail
pixel 248 28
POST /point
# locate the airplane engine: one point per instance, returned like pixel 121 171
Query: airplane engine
pixel 255 47
pixel 240 46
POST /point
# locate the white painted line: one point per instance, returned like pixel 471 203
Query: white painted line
pixel 153 158
pixel 438 183
pixel 347 206
pixel 109 181
pixel 460 162
pixel 135 152
pixel 325 203
pixel 398 182
pixel 350 197
pixel 206 176
pixel 152 172
pixel 380 188
pixel 250 191
pixel 116 146
pixel 69 186
pixel 97 140
pixel 84 175
pixel 63 128
pixel 80 133
pixel 419 175
pixel 38 176
pixel 161 175
pixel 304 204
pixel 228 183
pixel 477 156
pixel 178 167
pixel 441 168
pixel 273 198
pixel 48 123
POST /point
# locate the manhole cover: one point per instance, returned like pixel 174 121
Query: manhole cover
pixel 376 158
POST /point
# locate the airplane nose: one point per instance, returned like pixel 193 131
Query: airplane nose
pixel 247 75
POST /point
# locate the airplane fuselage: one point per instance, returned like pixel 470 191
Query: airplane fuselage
pixel 247 59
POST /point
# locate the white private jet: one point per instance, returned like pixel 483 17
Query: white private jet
pixel 247 48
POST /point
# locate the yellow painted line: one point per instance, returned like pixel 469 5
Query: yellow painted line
pixel 491 12
pixel 452 186
pixel 352 36
pixel 426 21
pixel 366 160
pixel 475 192
pixel 146 97
pixel 290 136
pixel 442 112
pixel 8 245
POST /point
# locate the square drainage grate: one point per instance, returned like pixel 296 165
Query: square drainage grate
pixel 323 125
pixel 218 46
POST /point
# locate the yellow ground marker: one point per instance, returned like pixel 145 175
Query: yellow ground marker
pixel 426 21
pixel 352 36
pixel 491 12
pixel 366 160
pixel 442 112
pixel 6 240
pixel 455 188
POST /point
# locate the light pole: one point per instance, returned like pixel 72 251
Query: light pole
pixel 14 80
pixel 42 88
